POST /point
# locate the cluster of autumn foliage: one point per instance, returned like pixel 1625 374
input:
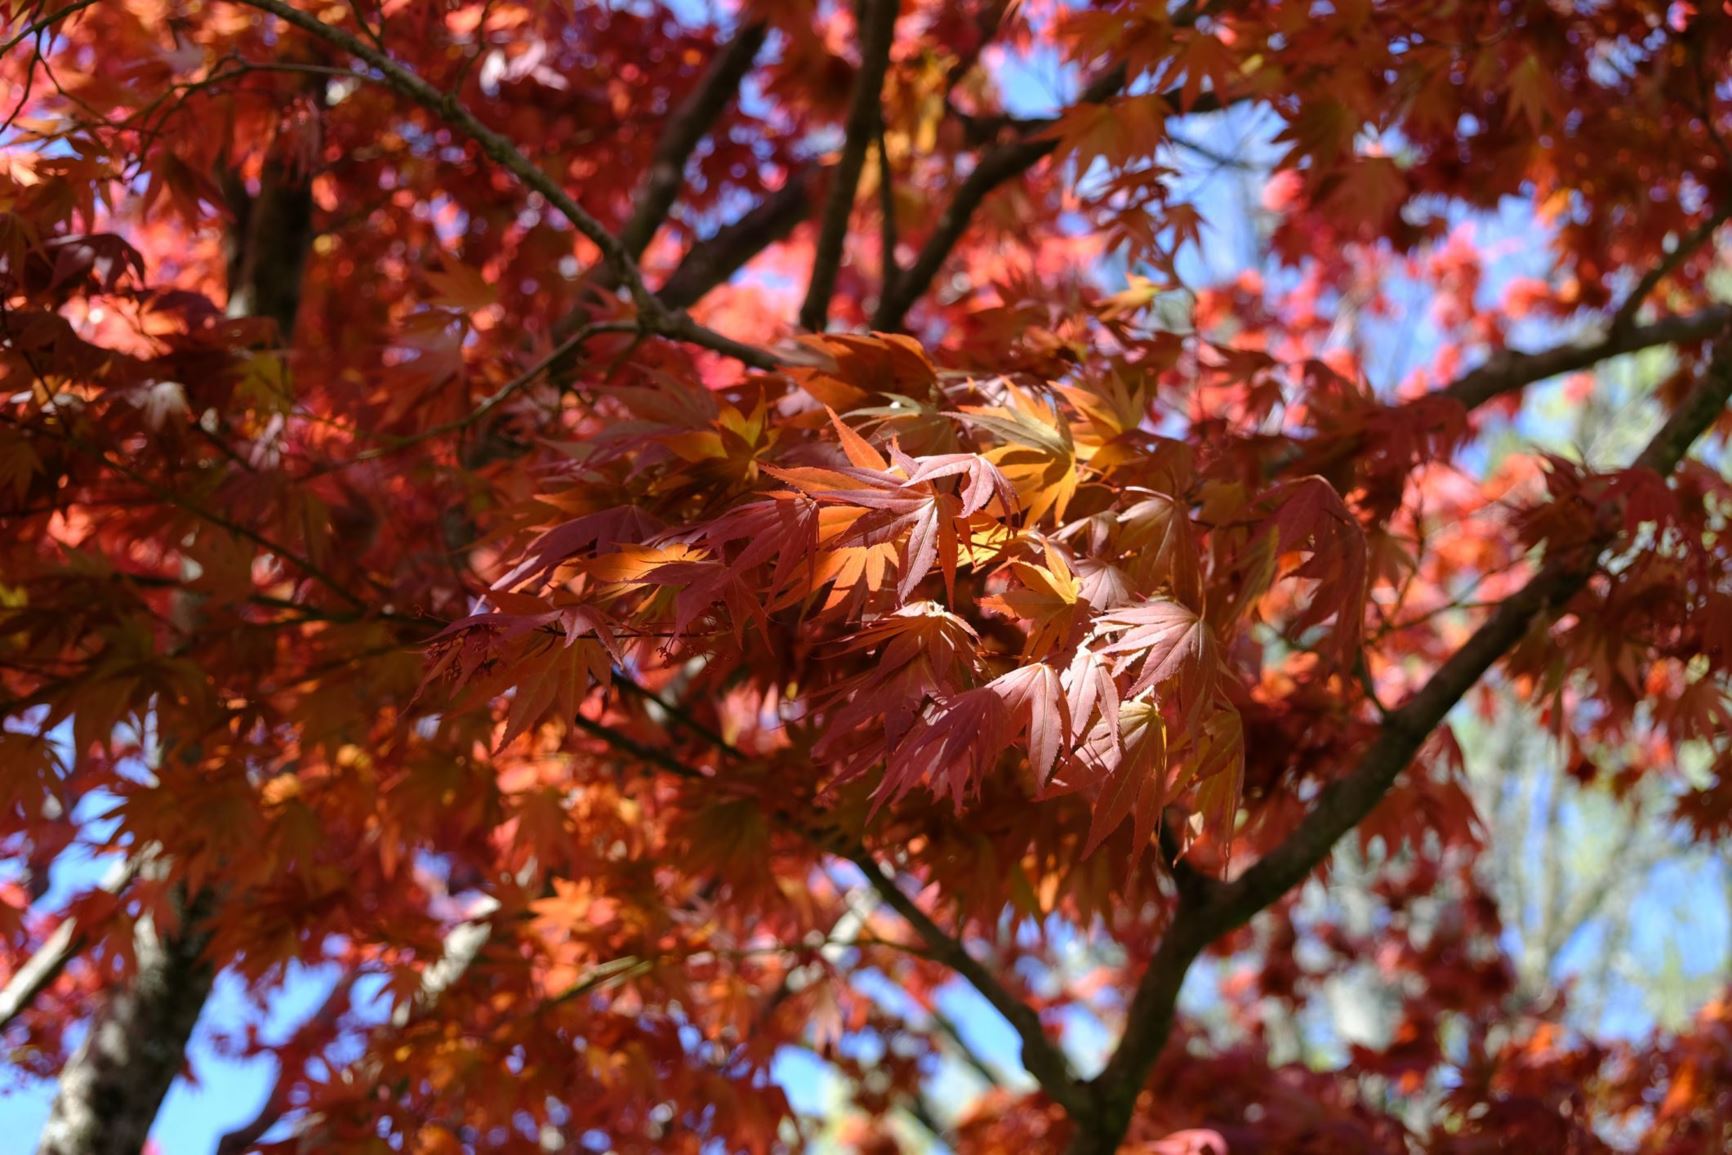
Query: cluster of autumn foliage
pixel 615 531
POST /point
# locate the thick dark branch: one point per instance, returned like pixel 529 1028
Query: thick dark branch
pixel 447 108
pixel 1004 163
pixel 626 744
pixel 1508 371
pixel 42 968
pixel 269 244
pixel 886 211
pixel 1345 803
pixel 865 112
pixel 135 1043
pixel 715 259
pixel 690 123
pixel 241 1139
pixel 653 316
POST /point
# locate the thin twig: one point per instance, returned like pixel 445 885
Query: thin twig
pixel 1004 163
pixel 41 24
pixel 1510 371
pixel 1041 1056
pixel 1687 244
pixel 223 522
pixel 488 404
pixel 973 1058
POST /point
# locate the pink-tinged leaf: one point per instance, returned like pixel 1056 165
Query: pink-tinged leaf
pixel 923 545
pixel 953 750
pixel 1169 640
pixel 1132 773
pixel 1156 534
pixel 1035 698
pixel 580 537
pixel 1308 515
pixel 982 483
pixel 1089 684
pixel 923 631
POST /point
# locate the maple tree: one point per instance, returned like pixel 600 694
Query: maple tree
pixel 617 528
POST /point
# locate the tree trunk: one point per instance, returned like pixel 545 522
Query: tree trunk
pixel 112 1088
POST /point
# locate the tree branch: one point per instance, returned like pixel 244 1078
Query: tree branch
pixel 1346 802
pixel 43 23
pixel 458 951
pixel 1040 1055
pixel 921 1110
pixel 690 123
pixel 276 1104
pixel 1343 804
pixel 997 166
pixel 1004 163
pixel 886 211
pixel 865 112
pixel 135 1043
pixel 1687 244
pixel 661 185
pixel 135 1046
pixel 653 316
pixel 561 354
pixel 976 1062
pixel 711 262
pixel 42 968
pixel 269 244
pixel 714 260
pixel 1509 371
